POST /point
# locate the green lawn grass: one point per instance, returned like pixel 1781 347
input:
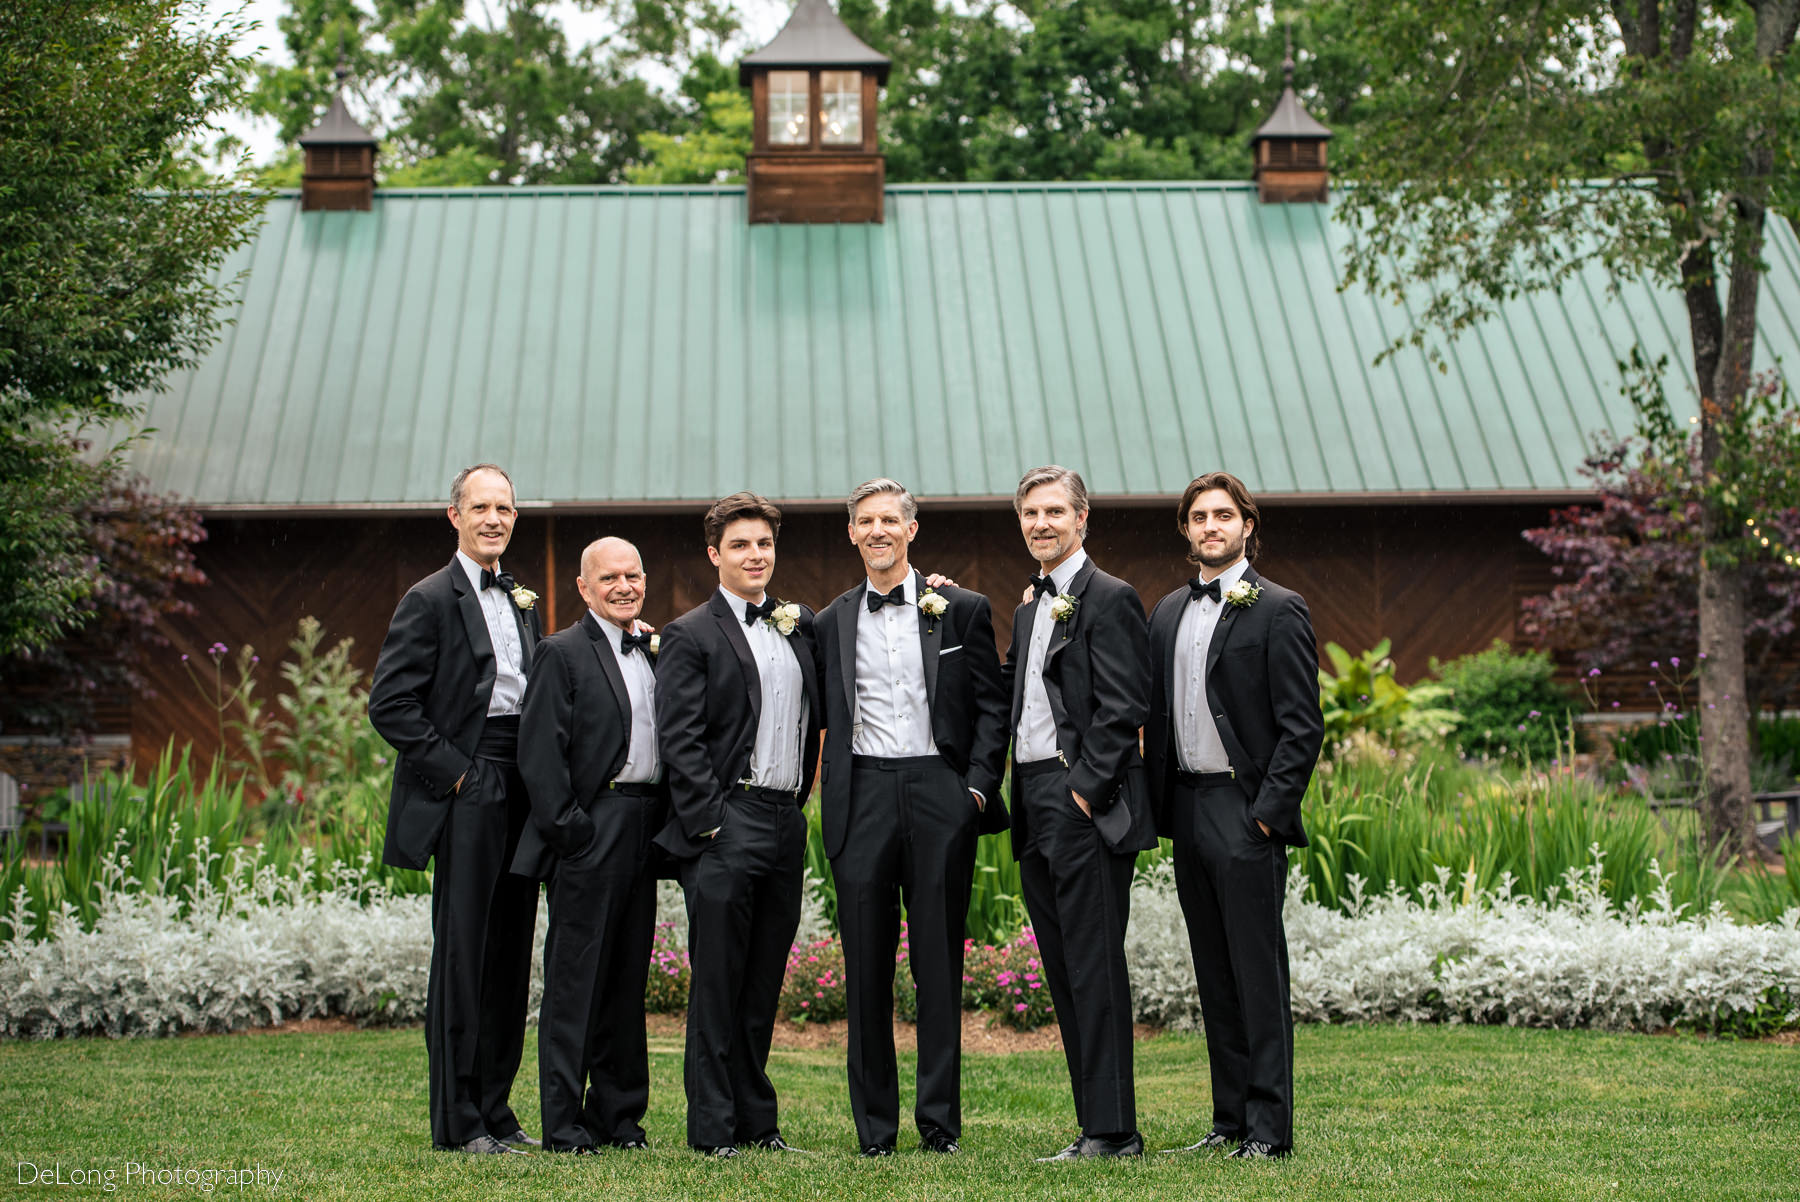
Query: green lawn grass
pixel 1385 1112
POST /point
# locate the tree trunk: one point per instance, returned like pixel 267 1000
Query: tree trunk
pixel 1724 713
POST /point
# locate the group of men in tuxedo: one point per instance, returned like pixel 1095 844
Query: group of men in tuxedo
pixel 596 760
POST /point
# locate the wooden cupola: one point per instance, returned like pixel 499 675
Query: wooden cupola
pixel 340 160
pixel 1289 149
pixel 814 156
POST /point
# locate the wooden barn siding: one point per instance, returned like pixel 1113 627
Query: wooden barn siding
pixel 1438 580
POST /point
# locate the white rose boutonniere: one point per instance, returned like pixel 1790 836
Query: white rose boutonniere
pixel 523 597
pixel 1063 608
pixel 1243 594
pixel 932 604
pixel 785 618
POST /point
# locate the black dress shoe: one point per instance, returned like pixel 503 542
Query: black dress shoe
pixel 1092 1146
pixel 724 1152
pixel 632 1145
pixel 1256 1149
pixel 1208 1143
pixel 518 1139
pixel 941 1142
pixel 1072 1152
pixel 876 1151
pixel 584 1150
pixel 487 1145
pixel 774 1143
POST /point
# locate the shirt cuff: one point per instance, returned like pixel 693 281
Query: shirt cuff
pixel 980 798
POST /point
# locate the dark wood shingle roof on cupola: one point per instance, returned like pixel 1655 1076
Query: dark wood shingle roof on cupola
pixel 814 154
pixel 1289 148
pixel 340 159
pixel 815 36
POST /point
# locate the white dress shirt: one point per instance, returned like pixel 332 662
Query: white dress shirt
pixel 892 717
pixel 775 762
pixel 497 607
pixel 1037 725
pixel 1197 743
pixel 641 765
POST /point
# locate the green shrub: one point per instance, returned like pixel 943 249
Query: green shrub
pixel 1510 702
pixel 1362 698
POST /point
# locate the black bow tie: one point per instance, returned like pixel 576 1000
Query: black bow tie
pixel 629 642
pixel 1196 590
pixel 894 596
pixel 499 580
pixel 1041 585
pixel 753 612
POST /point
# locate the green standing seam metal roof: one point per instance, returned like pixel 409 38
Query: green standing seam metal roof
pixel 636 346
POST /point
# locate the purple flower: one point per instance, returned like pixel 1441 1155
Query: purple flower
pixel 1593 672
pixel 1655 664
pixel 1674 661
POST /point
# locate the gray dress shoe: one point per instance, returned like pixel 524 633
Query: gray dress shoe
pixel 723 1152
pixel 487 1145
pixel 518 1139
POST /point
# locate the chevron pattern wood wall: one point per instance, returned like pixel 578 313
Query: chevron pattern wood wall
pixel 1437 579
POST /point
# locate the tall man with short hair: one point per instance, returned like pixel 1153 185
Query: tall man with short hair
pixel 1078 670
pixel 447 689
pixel 587 751
pixel 1233 736
pixel 915 742
pixel 737 721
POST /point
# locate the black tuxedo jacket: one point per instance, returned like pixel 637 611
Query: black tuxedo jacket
pixel 708 702
pixel 963 691
pixel 1262 684
pixel 1096 673
pixel 433 680
pixel 574 737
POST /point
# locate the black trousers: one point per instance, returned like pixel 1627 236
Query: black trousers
pixel 911 836
pixel 743 904
pixel 482 922
pixel 1078 894
pixel 1232 881
pixel 596 959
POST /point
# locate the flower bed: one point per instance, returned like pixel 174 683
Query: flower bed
pixel 267 946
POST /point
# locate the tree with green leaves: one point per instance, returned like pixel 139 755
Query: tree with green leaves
pixel 1097 89
pixel 109 256
pixel 468 94
pixel 1510 145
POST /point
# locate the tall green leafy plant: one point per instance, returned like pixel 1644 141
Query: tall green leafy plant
pixel 1361 696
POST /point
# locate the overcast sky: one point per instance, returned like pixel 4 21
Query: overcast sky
pixel 761 19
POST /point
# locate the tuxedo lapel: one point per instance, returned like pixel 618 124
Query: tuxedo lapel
pixel 846 635
pixel 609 664
pixel 475 623
pixel 1170 634
pixel 524 625
pixel 1023 617
pixel 796 643
pixel 1065 629
pixel 1229 620
pixel 731 622
pixel 931 641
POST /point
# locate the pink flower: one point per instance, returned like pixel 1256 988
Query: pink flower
pixel 1020 1008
